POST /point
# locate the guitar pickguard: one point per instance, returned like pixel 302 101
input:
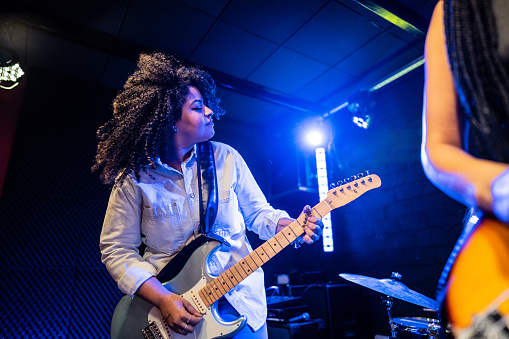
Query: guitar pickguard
pixel 133 315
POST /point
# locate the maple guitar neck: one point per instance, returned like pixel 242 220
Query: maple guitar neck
pixel 336 197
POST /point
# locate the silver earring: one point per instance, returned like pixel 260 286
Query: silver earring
pixel 174 128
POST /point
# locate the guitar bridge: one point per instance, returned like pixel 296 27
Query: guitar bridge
pixel 489 325
pixel 152 331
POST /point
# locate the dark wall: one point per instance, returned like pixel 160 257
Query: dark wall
pixel 52 207
pixel 51 213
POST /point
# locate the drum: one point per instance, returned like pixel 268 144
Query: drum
pixel 416 327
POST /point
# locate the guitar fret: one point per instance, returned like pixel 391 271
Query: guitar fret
pixel 250 259
pixel 281 239
pixel 242 274
pixel 297 229
pixel 262 254
pixel 212 290
pixel 223 289
pixel 260 261
pixel 275 245
pixel 315 209
pixel 204 296
pixel 289 234
pixel 266 248
pixel 226 282
pixel 245 267
pixel 231 275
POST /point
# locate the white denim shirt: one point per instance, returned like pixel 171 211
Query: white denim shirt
pixel 164 207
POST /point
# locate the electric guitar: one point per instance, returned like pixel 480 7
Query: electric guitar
pixel 137 318
pixel 477 295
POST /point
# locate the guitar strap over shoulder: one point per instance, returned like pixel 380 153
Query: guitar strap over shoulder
pixel 207 185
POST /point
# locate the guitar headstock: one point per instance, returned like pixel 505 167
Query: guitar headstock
pixel 352 188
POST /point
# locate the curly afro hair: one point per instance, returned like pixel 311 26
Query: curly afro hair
pixel 144 114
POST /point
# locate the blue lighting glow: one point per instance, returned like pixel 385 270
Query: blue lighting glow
pixel 314 138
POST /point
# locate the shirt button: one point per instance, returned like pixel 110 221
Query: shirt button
pixel 191 195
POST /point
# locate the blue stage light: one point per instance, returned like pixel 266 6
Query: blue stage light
pixel 315 138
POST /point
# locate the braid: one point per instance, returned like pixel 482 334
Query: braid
pixel 144 114
pixel 481 79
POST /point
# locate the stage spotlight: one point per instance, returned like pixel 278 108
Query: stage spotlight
pixel 314 138
pixel 361 106
pixel 10 64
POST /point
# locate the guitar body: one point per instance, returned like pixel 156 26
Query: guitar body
pixel 133 314
pixel 479 275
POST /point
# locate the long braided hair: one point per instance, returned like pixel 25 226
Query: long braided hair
pixel 144 114
pixel 480 76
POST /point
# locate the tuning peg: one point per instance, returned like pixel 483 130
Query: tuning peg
pixel 360 175
pixel 340 182
pixel 366 173
pixel 353 177
pixel 333 185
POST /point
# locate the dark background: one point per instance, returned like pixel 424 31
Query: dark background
pixel 52 206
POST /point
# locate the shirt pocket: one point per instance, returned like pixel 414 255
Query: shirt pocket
pixel 162 226
pixel 227 223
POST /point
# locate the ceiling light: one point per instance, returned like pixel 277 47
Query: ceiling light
pixel 361 106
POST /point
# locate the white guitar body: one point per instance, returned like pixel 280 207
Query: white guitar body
pixel 135 318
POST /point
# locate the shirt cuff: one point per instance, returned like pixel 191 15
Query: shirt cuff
pixel 135 277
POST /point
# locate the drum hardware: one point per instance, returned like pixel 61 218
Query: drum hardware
pixel 394 288
pixel 388 303
pixel 419 326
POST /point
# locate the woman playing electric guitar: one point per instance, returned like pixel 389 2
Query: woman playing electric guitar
pixel 465 150
pixel 149 152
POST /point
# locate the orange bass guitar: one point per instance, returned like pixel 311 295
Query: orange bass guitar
pixel 477 295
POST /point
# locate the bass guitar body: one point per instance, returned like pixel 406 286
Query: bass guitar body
pixel 136 318
pixel 478 289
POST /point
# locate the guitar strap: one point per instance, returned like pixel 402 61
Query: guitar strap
pixel 473 221
pixel 207 185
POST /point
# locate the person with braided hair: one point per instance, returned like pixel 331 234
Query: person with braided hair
pixel 148 153
pixel 465 145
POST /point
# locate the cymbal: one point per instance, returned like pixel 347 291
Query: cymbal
pixel 392 288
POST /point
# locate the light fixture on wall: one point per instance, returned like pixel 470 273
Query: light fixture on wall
pixel 361 106
pixel 11 70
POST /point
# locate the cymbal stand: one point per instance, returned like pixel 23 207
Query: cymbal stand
pixel 388 303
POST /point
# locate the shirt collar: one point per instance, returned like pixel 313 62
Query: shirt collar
pixel 187 161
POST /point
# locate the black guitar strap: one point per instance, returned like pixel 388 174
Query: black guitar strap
pixel 207 185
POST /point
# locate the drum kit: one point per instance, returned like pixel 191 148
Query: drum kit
pixel 394 288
